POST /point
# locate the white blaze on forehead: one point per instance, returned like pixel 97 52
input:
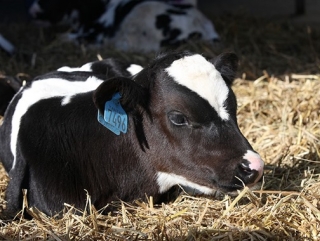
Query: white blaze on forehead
pixel 167 180
pixel 44 89
pixel 200 76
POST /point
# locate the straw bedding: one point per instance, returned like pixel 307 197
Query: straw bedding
pixel 278 92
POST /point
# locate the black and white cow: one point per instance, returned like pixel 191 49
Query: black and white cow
pixel 143 25
pixel 101 129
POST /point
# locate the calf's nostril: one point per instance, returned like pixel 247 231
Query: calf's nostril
pixel 251 167
pixel 246 174
pixel 245 167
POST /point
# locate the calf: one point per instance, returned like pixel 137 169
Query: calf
pixel 123 136
pixel 141 25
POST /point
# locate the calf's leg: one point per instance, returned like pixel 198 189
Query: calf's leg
pixel 14 196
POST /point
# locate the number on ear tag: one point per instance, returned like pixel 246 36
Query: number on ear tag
pixel 114 118
pixel 107 125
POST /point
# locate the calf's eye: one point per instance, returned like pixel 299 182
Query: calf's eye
pixel 178 118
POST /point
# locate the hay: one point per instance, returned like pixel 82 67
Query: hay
pixel 280 117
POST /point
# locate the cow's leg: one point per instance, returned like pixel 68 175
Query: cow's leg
pixel 14 195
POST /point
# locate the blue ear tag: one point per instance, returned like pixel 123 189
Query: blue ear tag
pixel 114 117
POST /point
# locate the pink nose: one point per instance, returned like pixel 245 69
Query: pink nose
pixel 255 163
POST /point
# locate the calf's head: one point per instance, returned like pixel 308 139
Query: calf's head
pixel 188 122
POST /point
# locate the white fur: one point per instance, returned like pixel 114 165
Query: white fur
pixel 168 180
pixel 85 68
pixel 134 69
pixel 193 21
pixel 66 100
pixel 200 76
pixel 140 34
pixel 44 89
pixel 255 161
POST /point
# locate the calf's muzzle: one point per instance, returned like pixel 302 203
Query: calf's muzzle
pixel 250 169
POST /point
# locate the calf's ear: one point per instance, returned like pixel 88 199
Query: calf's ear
pixel 227 65
pixel 132 94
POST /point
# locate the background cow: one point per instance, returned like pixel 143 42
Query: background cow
pixel 143 25
pixel 64 133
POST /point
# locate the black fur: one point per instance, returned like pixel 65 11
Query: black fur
pixel 64 152
pixel 227 65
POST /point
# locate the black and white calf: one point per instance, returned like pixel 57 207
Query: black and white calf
pixel 143 25
pixel 170 123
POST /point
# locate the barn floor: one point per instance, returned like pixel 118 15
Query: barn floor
pixel 279 112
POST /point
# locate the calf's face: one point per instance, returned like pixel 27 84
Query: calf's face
pixel 191 130
pixel 197 118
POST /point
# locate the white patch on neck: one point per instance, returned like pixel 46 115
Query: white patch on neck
pixel 168 180
pixel 133 69
pixel 84 68
pixel 200 76
pixel 80 87
pixel 44 89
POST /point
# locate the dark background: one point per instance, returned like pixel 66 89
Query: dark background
pixel 308 10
